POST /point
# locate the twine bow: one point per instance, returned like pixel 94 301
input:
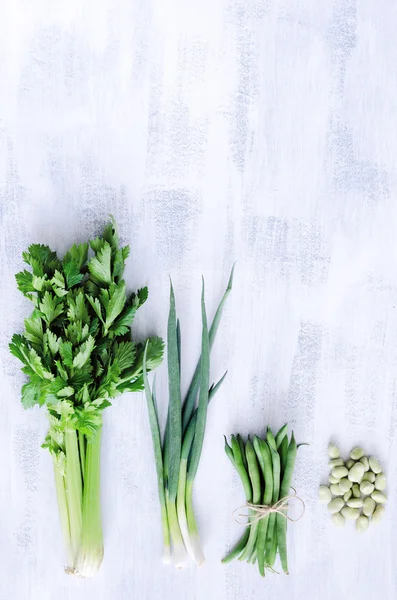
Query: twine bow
pixel 260 511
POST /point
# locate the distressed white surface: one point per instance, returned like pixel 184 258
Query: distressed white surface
pixel 257 130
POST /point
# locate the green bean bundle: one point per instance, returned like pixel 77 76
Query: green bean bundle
pixel 265 468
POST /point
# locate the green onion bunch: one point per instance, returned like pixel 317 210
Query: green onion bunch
pixel 177 455
pixel 265 467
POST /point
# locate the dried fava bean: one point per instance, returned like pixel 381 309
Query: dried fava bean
pixel 347 496
pixel 356 490
pixel 349 463
pixel 375 466
pixel 366 488
pixel 335 505
pixel 345 485
pixel 378 514
pixel 335 490
pixel 379 497
pixel 362 524
pixel 369 506
pixel 356 472
pixel 339 472
pixel 324 494
pixel 336 462
pixel 365 462
pixel 369 476
pixel 355 503
pixel 333 451
pixel 338 519
pixel 333 479
pixel 380 482
pixel 357 453
pixel 350 513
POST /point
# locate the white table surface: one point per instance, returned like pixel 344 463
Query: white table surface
pixel 260 131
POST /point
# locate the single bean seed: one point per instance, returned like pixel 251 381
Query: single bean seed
pixel 355 503
pixel 378 514
pixel 333 451
pixel 362 524
pixel 347 496
pixel 350 513
pixel 379 497
pixel 375 466
pixel 366 488
pixel 356 490
pixel 365 462
pixel 324 494
pixel 369 506
pixel 369 476
pixel 339 472
pixel 333 479
pixel 335 490
pixel 357 453
pixel 335 505
pixel 356 472
pixel 380 482
pixel 345 485
pixel 336 462
pixel 338 519
pixel 349 463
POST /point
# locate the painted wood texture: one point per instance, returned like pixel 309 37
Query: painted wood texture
pixel 260 131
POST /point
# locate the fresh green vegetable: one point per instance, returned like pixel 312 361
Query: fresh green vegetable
pixel 78 355
pixel 360 489
pixel 265 468
pixel 177 456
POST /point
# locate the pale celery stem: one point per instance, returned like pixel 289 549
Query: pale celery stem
pixel 91 548
pixel 82 453
pixel 63 510
pixel 74 491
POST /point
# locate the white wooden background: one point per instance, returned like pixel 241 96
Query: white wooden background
pixel 262 131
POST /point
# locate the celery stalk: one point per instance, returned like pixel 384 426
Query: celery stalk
pixel 90 552
pixel 63 510
pixel 74 490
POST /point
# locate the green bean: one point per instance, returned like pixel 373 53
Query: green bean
pixel 267 499
pixel 241 470
pixel 254 474
pixel 229 452
pixel 259 456
pixel 283 452
pixel 270 440
pixel 238 548
pixel 253 557
pixel 242 448
pixel 271 539
pixel 284 491
pixel 281 435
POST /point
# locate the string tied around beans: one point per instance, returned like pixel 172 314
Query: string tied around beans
pixel 260 511
pixel 265 467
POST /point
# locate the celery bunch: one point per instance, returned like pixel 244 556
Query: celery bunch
pixel 78 354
